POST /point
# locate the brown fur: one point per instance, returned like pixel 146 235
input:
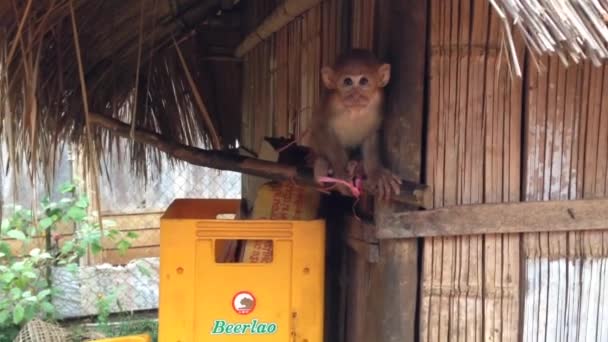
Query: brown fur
pixel 349 117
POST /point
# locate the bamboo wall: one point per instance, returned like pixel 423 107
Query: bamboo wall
pixel 489 138
pixel 470 284
pixel 282 74
pixel 566 152
pixel 496 139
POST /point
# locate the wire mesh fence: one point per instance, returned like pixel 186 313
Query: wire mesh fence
pixel 120 281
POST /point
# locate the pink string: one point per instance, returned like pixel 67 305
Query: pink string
pixel 353 189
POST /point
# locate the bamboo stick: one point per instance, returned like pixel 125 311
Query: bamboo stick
pixel 411 193
pixel 281 16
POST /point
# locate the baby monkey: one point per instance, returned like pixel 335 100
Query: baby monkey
pixel 349 119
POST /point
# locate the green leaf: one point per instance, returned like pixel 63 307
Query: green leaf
pixel 144 270
pixel 47 307
pixel 44 293
pixel 76 213
pixel 29 297
pixel 112 233
pixel 16 234
pixel 132 235
pixel 67 188
pixel 82 202
pixel 18 314
pixel 67 247
pixel 72 268
pixel 30 274
pixel 18 266
pixel 7 277
pixel 5 248
pixel 123 245
pixel 45 255
pixel 15 293
pixel 46 222
pixel 96 247
pixel 4 314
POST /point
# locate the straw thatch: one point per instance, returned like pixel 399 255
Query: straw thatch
pixel 140 62
pixel 134 56
pixel 574 30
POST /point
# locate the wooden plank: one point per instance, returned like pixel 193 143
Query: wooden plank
pixel 145 238
pixel 392 307
pixel 114 257
pixel 433 297
pixel 358 290
pixel 134 222
pixel 432 249
pixel 542 216
pixel 365 250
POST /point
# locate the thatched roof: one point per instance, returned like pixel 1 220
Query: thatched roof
pixel 143 57
pixel 121 44
pixel 573 30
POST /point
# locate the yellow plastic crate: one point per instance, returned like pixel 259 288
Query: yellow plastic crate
pixel 133 338
pixel 202 299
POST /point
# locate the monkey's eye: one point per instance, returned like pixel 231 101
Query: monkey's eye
pixel 348 81
pixel 363 81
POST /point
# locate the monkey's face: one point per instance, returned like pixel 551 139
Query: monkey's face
pixel 357 85
pixel 356 90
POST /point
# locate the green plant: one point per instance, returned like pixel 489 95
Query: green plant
pixel 25 290
pixel 104 307
pixel 131 326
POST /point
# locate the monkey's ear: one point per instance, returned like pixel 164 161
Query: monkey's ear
pixel 328 76
pixel 384 74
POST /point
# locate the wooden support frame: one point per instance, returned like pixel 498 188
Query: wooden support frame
pixel 501 218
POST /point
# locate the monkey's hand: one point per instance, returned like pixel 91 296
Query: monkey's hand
pixel 385 183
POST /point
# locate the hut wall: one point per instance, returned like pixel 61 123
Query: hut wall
pixel 566 134
pixel 282 75
pixel 493 138
pixel 489 137
pixel 470 284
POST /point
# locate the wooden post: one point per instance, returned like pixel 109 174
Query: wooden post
pixel 401 40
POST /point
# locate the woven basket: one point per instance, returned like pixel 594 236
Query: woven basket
pixel 40 331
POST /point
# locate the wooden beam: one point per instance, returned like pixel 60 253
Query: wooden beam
pixel 366 250
pixel 502 218
pixel 411 193
pixel 401 40
pixel 280 16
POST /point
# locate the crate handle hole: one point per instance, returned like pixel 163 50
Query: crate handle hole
pixel 244 251
pixel 225 216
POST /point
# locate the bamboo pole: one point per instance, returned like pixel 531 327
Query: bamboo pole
pixel 281 16
pixel 411 193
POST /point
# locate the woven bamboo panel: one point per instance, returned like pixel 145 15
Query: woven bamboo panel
pixel 566 158
pixel 282 74
pixel 362 33
pixel 470 284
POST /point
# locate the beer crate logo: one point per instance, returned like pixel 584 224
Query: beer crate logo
pixel 255 327
pixel 243 302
